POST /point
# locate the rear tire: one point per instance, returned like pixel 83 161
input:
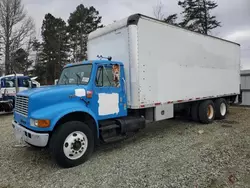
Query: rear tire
pixel 206 112
pixel 221 108
pixel 195 111
pixel 72 144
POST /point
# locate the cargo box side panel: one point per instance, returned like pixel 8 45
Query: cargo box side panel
pixel 176 64
pixel 114 44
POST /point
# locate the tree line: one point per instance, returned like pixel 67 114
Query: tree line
pixel 65 42
pixel 196 15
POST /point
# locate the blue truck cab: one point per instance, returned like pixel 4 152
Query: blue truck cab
pixel 86 106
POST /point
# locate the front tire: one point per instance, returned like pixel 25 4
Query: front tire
pixel 206 112
pixel 72 144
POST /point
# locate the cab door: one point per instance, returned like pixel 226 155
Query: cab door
pixel 109 91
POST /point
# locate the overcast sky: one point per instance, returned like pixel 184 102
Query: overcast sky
pixel 233 14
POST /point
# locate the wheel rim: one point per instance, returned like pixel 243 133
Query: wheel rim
pixel 223 109
pixel 75 145
pixel 210 112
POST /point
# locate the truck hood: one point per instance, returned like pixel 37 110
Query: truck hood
pixel 50 95
pixel 50 90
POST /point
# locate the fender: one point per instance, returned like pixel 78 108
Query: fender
pixel 55 112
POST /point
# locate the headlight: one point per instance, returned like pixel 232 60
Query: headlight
pixel 43 123
pixel 33 122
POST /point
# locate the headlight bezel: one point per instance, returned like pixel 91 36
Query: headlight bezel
pixel 40 123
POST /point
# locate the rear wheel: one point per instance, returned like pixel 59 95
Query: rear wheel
pixel 221 108
pixel 72 144
pixel 206 112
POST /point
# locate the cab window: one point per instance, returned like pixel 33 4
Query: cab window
pixel 24 82
pixel 108 76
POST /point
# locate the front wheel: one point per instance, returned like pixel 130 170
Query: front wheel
pixel 72 144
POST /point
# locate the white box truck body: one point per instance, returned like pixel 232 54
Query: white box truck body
pixel 167 64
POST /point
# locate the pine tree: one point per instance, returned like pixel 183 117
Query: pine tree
pixel 55 47
pixel 197 15
pixel 40 66
pixel 20 61
pixel 80 23
pixel 171 19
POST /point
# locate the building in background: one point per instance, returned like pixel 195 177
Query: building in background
pixel 245 87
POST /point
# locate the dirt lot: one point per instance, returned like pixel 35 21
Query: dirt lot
pixel 174 153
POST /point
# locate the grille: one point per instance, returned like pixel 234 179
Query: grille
pixel 21 105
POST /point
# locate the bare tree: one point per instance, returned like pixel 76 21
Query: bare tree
pixel 158 11
pixel 16 28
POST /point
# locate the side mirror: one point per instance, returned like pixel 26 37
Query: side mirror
pixel 56 81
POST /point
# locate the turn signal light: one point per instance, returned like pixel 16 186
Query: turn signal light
pixel 43 123
pixel 89 94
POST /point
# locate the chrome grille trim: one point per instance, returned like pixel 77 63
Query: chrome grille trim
pixel 21 105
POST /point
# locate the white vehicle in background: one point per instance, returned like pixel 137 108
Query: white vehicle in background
pixel 10 86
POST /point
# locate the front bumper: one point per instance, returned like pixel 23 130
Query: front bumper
pixel 33 138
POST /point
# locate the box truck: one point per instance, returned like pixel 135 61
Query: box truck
pixel 146 71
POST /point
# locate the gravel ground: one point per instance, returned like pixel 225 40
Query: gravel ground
pixel 173 153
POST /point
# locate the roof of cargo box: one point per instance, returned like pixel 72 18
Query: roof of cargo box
pixel 133 20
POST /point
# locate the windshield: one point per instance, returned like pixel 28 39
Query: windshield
pixel 9 82
pixel 79 74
